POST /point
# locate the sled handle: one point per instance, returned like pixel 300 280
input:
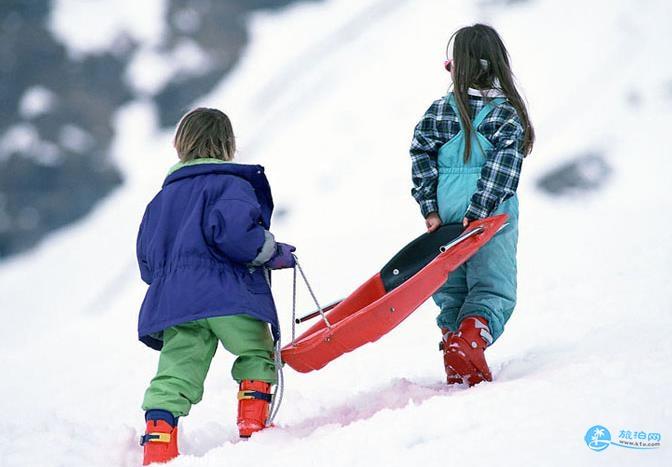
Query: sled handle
pixel 316 313
pixel 461 238
pixel 467 235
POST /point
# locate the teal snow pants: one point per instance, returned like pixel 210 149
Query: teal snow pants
pixel 486 284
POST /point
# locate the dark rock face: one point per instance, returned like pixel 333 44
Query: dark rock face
pixel 56 113
pixel 587 172
pixel 60 170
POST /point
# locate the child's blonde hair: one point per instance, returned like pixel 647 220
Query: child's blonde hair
pixel 205 133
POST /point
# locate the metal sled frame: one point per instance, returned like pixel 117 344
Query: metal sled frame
pixel 391 295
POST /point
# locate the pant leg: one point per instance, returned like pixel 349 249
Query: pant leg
pixel 251 341
pixel 183 365
pixel 450 298
pixel 491 280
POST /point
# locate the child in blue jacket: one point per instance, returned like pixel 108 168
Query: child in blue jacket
pixel 467 153
pixel 204 248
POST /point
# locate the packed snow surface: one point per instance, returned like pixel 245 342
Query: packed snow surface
pixel 326 98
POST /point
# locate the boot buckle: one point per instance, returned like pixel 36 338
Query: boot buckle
pixel 249 394
pixel 154 438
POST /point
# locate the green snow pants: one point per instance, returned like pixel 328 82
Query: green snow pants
pixel 188 350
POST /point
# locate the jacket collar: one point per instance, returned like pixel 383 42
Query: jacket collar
pixel 252 173
pixel 199 161
pixel 489 93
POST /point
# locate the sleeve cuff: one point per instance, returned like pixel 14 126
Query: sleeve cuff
pixel 474 213
pixel 267 250
pixel 428 206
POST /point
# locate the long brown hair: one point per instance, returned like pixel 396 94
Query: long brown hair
pixel 205 133
pixel 473 44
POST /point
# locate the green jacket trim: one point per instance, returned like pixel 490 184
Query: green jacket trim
pixel 199 161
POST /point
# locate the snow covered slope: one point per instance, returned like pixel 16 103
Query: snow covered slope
pixel 326 99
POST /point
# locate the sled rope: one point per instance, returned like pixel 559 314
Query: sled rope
pixel 280 385
pixel 312 294
pixel 277 357
pixel 294 304
pixel 276 400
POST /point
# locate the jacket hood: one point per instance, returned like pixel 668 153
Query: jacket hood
pixel 252 173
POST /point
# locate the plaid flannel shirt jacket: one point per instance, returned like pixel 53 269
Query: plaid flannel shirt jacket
pixel 501 171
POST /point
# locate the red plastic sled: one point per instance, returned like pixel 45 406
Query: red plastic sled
pixel 391 295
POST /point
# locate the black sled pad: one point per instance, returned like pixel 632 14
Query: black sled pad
pixel 416 255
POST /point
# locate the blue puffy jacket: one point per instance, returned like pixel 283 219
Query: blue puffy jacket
pixel 197 241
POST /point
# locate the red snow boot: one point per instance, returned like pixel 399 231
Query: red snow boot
pixel 254 398
pixel 464 351
pixel 451 376
pixel 160 439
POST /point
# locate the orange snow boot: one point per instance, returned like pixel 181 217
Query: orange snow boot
pixel 160 438
pixel 464 351
pixel 451 376
pixel 254 399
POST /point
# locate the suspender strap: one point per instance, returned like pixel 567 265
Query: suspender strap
pixel 485 111
pixel 478 119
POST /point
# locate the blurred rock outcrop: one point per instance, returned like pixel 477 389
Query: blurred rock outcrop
pixel 584 173
pixel 56 114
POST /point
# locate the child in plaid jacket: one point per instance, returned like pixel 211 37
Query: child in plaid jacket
pixel 467 154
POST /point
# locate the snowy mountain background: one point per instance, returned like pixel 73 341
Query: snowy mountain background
pixel 326 95
pixel 67 66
